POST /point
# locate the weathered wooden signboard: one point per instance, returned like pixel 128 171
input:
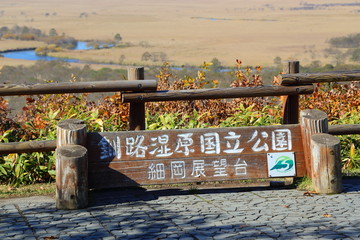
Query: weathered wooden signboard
pixel 121 159
pixel 194 155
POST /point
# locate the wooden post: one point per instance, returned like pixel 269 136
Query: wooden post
pixel 291 103
pixel 71 177
pixel 137 110
pixel 71 165
pixel 326 163
pixel 71 131
pixel 312 122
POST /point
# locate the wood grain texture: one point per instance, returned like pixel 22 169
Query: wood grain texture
pixel 290 67
pixel 137 110
pixel 312 122
pixel 28 147
pixel 71 131
pixel 308 78
pixel 50 145
pixel 217 93
pixel 136 73
pixel 71 165
pixel 326 163
pixel 290 112
pixel 71 177
pixel 346 129
pixel 134 158
pixel 77 87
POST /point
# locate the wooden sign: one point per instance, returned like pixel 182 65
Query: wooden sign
pixel 192 155
pixel 122 159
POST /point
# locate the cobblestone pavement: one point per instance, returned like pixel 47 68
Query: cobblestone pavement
pixel 176 214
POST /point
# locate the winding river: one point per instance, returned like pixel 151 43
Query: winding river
pixel 30 54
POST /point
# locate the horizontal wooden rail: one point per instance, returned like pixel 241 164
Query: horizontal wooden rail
pixel 344 129
pixel 28 147
pixel 307 78
pixel 217 93
pixel 50 145
pixel 77 87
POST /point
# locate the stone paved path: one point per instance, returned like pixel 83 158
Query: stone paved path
pixel 177 214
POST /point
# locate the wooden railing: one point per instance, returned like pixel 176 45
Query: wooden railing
pixel 137 91
pixel 77 87
pixel 292 85
pixel 62 88
pixel 100 160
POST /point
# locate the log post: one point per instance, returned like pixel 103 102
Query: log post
pixel 312 122
pixel 71 177
pixel 71 131
pixel 291 103
pixel 137 110
pixel 71 165
pixel 326 163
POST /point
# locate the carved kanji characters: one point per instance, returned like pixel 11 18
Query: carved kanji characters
pixel 183 143
pixel 233 143
pixel 134 146
pixel 220 168
pixel 160 146
pixel 281 140
pixel 178 169
pixel 210 143
pixel 240 167
pixel 156 171
pixel 198 168
pixel 109 148
pixel 260 141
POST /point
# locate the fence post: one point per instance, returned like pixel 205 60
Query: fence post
pixel 291 103
pixel 137 110
pixel 312 121
pixel 71 132
pixel 322 152
pixel 326 163
pixel 71 177
pixel 71 165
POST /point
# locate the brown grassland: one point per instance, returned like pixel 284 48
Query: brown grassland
pixel 190 31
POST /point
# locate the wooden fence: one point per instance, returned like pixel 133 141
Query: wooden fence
pixel 292 85
pixel 137 91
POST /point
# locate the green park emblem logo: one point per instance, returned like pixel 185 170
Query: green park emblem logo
pixel 281 164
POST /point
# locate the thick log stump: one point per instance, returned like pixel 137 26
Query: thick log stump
pixel 71 165
pixel 71 177
pixel 71 131
pixel 326 163
pixel 312 121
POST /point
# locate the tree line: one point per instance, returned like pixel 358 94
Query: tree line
pixel 25 33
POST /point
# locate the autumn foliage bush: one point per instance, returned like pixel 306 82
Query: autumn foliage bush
pixel 39 116
pixel 341 102
pixel 214 112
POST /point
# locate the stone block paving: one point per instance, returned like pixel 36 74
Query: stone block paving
pixel 177 214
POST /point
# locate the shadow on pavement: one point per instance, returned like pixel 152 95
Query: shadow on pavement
pixel 137 213
pixel 351 185
pixel 135 194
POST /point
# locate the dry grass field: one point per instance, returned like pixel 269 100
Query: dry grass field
pixel 193 31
